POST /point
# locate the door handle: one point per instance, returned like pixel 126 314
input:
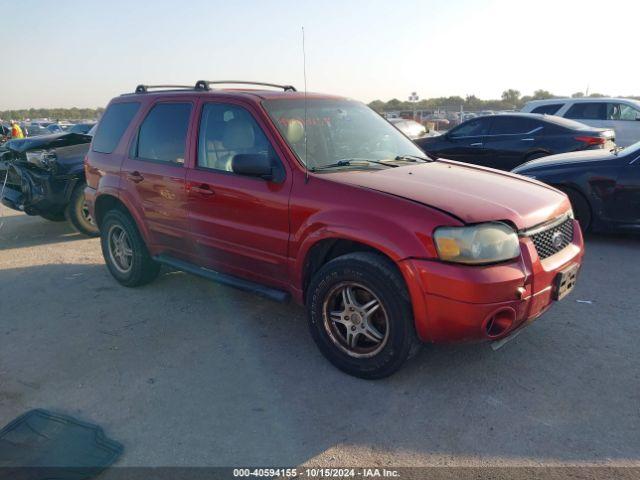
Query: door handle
pixel 135 177
pixel 479 144
pixel 203 189
pixel 527 139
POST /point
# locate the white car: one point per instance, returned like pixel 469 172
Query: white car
pixel 410 128
pixel 619 114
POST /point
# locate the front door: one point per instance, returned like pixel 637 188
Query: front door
pixel 240 224
pixel 153 175
pixel 465 143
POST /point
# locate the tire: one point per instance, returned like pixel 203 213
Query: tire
pixel 369 277
pixel 118 234
pixel 581 208
pixel 78 215
pixel 53 217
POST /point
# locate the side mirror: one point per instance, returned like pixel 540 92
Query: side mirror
pixel 253 165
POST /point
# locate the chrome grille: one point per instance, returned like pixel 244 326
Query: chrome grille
pixel 550 241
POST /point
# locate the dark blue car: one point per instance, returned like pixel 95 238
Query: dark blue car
pixel 506 141
pixel 603 186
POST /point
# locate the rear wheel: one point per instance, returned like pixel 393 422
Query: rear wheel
pixel 360 315
pixel 78 213
pixel 581 208
pixel 125 252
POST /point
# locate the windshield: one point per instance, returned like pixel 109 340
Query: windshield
pixel 338 130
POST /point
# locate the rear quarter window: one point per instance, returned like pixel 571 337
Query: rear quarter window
pixel 548 109
pixel 112 126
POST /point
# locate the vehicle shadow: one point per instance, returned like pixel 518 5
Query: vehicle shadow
pixel 19 231
pixel 189 373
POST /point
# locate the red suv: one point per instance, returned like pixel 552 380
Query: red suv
pixel 318 198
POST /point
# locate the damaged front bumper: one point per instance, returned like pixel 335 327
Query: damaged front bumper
pixel 35 192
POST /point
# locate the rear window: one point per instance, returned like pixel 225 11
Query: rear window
pixel 566 123
pixel 588 111
pixel 112 126
pixel 163 134
pixel 551 109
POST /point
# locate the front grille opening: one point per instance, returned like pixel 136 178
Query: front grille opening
pixel 551 241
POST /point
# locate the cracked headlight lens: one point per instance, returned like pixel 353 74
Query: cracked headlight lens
pixel 477 244
pixel 44 159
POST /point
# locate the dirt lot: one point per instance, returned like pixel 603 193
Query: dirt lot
pixel 187 372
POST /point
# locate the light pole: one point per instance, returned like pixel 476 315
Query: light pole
pixel 413 98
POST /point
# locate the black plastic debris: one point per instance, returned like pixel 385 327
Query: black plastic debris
pixel 41 445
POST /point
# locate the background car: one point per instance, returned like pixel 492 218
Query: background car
pixel 44 176
pixel 604 187
pixel 410 128
pixel 620 114
pixel 81 127
pixel 5 132
pixel 54 128
pixel 506 141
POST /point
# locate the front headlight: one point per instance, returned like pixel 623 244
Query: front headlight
pixel 477 244
pixel 44 159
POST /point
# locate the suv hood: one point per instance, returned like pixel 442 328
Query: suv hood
pixel 472 194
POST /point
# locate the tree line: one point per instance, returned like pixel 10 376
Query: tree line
pixel 52 113
pixel 511 99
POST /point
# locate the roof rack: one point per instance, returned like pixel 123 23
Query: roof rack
pixel 204 84
pixel 146 88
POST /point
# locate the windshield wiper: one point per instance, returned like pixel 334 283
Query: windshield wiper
pixel 413 158
pixel 351 162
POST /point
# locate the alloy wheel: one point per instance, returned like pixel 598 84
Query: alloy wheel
pixel 355 319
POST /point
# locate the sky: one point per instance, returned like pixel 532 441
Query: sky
pixel 67 53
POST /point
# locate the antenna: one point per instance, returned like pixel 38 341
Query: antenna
pixel 304 72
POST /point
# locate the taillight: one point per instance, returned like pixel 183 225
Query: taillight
pixel 592 140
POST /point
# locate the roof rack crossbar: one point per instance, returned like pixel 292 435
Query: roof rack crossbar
pixel 204 84
pixel 146 88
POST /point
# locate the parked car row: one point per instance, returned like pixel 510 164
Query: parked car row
pixel 319 199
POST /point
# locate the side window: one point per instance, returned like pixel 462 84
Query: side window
pixel 506 125
pixel 112 126
pixel 551 109
pixel 472 128
pixel 163 133
pixel 620 111
pixel 588 111
pixel 226 131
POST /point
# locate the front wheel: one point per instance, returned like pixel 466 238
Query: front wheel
pixel 360 315
pixel 125 252
pixel 581 208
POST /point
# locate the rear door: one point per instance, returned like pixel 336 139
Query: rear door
pixel 510 139
pixel 153 175
pixel 465 143
pixel 240 224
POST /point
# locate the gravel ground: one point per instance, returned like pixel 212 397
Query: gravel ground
pixel 186 372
